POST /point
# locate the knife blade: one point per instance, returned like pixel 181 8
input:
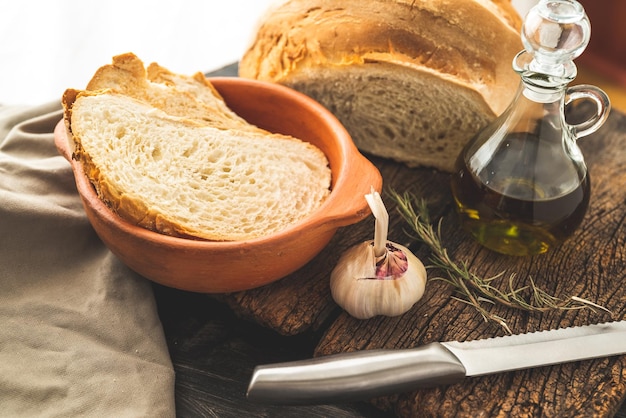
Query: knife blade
pixel 371 373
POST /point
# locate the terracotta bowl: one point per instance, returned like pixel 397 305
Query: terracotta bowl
pixel 219 267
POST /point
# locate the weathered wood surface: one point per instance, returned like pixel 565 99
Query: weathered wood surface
pixel 214 353
pixel 592 265
pixel 302 301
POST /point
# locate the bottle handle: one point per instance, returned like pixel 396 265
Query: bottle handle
pixel 603 106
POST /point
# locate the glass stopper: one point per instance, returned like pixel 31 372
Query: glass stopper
pixel 555 32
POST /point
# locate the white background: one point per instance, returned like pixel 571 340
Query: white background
pixel 47 46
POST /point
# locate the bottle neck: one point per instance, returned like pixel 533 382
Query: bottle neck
pixel 540 85
pixel 542 95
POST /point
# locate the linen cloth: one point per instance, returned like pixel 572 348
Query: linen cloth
pixel 80 334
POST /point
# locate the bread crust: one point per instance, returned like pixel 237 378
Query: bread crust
pixel 471 41
pixel 191 97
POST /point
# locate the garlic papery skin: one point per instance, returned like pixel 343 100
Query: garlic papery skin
pixel 377 277
pixel 356 288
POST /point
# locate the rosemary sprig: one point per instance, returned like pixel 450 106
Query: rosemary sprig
pixel 473 289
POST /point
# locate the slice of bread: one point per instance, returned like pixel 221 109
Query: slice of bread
pixel 208 176
pixel 191 97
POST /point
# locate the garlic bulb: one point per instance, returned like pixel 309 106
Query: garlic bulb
pixel 377 277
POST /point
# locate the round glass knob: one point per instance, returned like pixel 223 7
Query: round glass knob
pixel 555 32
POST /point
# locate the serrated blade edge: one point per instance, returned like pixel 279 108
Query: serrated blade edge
pixel 521 351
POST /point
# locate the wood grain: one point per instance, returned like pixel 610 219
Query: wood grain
pixel 590 265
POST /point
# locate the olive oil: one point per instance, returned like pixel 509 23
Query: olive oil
pixel 514 209
pixel 521 184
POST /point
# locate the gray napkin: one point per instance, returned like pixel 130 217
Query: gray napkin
pixel 79 332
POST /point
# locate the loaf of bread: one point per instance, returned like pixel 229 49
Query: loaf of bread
pixel 210 175
pixel 410 80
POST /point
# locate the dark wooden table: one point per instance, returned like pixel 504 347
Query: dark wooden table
pixel 214 353
pixel 215 341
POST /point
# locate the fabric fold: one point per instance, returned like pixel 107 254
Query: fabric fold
pixel 79 332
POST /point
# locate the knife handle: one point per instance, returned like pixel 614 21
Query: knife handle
pixel 354 376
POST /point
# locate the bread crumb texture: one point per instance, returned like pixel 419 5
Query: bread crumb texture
pixel 193 177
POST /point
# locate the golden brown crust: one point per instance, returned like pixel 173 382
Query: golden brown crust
pixel 472 41
pixel 190 97
pixel 125 66
pixel 159 74
pixel 508 13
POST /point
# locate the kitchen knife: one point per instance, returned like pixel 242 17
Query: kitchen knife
pixel 371 373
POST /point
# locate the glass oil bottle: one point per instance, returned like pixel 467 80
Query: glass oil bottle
pixel 521 185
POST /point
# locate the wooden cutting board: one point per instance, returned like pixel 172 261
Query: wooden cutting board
pixel 591 265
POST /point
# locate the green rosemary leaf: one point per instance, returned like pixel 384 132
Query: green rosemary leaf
pixel 470 288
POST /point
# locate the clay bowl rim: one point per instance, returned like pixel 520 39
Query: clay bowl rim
pixel 323 217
